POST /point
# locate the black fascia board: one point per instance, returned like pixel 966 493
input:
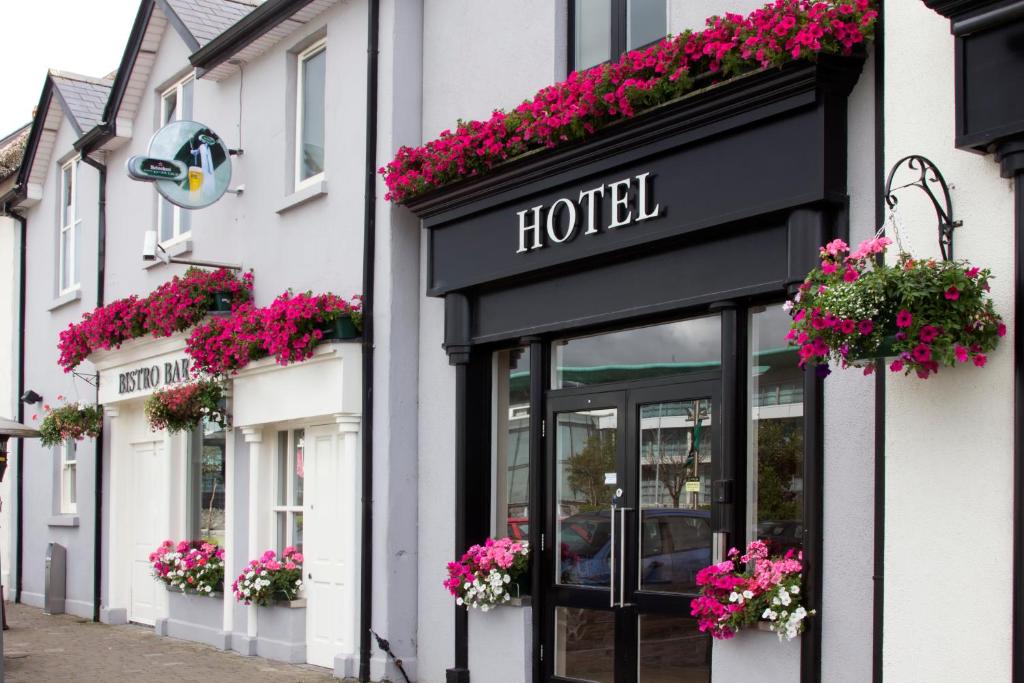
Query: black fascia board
pixel 958 9
pixel 124 69
pixel 246 30
pixel 94 138
pixel 32 144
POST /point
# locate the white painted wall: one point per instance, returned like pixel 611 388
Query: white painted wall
pixel 949 466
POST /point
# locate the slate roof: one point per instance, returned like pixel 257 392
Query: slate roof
pixel 83 96
pixel 207 19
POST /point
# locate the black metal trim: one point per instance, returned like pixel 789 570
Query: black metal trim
pixel 127 64
pixel 243 33
pixel 814 471
pixel 20 477
pixel 539 364
pixel 989 18
pixel 1017 636
pixel 928 174
pixel 953 9
pixel 369 269
pixel 35 133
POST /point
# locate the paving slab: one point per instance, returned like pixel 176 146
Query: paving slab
pixel 44 648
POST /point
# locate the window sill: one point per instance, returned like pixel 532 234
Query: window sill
pixel 300 197
pixel 65 299
pixel 179 248
pixel 69 520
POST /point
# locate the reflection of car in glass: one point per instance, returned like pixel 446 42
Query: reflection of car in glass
pixel 781 535
pixel 675 545
pixel 519 528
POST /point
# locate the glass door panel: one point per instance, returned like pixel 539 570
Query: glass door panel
pixel 675 461
pixel 671 650
pixel 586 475
pixel 585 644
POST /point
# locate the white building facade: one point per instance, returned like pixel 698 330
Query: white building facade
pixel 494 360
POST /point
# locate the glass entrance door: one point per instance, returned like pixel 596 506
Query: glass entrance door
pixel 630 505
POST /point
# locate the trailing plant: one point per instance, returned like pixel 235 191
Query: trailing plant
pixel 269 578
pixel 924 313
pixel 70 421
pixel 173 307
pixel 748 588
pixel 181 407
pixel 587 101
pixel 289 329
pixel 485 574
pixel 192 566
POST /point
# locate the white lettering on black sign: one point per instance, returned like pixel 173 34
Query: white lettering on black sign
pixel 153 376
pixel 560 221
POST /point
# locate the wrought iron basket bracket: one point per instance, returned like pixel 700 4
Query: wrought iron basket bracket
pixel 90 378
pixel 928 176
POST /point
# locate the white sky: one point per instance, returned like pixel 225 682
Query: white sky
pixel 83 36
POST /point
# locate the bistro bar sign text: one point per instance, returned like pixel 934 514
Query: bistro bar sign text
pixel 152 376
pixel 630 204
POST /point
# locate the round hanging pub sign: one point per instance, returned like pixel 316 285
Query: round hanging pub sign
pixel 188 163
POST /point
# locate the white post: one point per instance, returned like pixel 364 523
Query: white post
pixel 348 428
pixel 229 530
pixel 116 576
pixel 253 437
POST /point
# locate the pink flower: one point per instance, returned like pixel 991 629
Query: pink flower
pixel 896 365
pixel 866 327
pixel 850 275
pixel 847 326
pixel 980 359
pixel 961 353
pixel 828 267
pixel 1001 330
pixel 928 334
pixel 952 293
pixel 922 353
pixel 972 272
pixel 904 319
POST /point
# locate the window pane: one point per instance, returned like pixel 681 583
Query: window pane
pixel 282 531
pixel 67 210
pixel 312 144
pixel 646 22
pixel 166 220
pixel 585 447
pixel 296 530
pixel 170 106
pixel 211 487
pixel 776 444
pixel 73 265
pixel 512 443
pixel 641 353
pixel 65 259
pixel 72 483
pixel 185 112
pixel 593 35
pixel 675 494
pixel 298 472
pixel 585 644
pixel 282 469
pixel 70 452
pixel 672 649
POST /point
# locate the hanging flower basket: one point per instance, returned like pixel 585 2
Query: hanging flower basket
pixel 922 313
pixel 749 589
pixel 269 578
pixel 71 421
pixel 182 407
pixel 489 575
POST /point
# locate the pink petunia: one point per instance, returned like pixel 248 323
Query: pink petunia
pixel 850 275
pixel 896 365
pixel 952 293
pixel 980 359
pixel 865 327
pixel 904 319
pixel 922 353
pixel 828 267
pixel 961 354
pixel 928 334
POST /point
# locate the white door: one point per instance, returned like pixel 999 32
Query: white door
pixel 327 546
pixel 144 497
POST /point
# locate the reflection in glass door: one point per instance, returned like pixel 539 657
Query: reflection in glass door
pixel 630 514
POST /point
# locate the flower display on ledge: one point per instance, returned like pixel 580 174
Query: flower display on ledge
pixel 487 575
pixel 586 101
pixel 69 421
pixel 750 588
pixel 172 307
pixel 181 407
pixel 190 566
pixel 922 313
pixel 270 578
pixel 289 329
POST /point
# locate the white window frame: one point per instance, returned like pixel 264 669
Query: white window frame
pixel 177 234
pixel 68 477
pixel 305 55
pixel 68 229
pixel 289 509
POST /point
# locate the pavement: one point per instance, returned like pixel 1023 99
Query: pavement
pixel 43 648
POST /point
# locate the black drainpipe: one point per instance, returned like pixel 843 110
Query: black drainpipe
pixel 369 252
pixel 878 568
pixel 20 478
pixel 101 271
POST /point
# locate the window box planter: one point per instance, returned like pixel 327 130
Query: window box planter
pixel 281 631
pixel 195 617
pixel 340 328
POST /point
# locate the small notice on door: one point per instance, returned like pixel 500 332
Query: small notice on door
pixel 693 485
pixel 611 478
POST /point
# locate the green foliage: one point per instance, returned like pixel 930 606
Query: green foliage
pixel 182 407
pixel 72 421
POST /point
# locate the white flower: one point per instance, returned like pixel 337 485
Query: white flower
pixel 507 578
pixel 748 594
pixel 459 602
pixel 734 597
pixel 795 590
pixel 788 306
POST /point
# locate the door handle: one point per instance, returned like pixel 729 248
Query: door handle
pixel 719 541
pixel 611 560
pixel 622 555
